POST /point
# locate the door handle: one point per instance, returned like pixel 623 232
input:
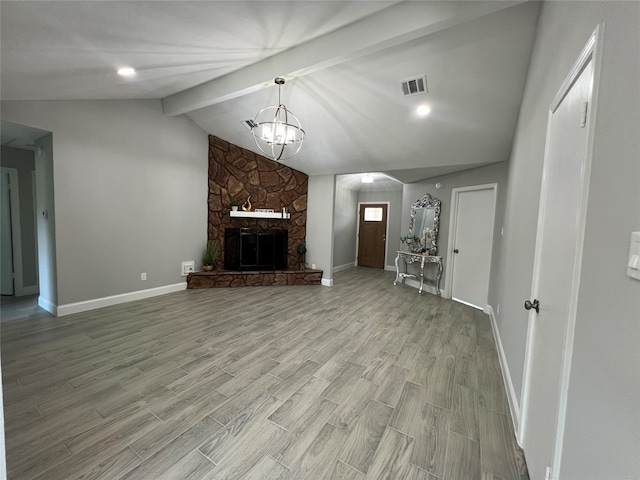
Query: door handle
pixel 456 251
pixel 528 305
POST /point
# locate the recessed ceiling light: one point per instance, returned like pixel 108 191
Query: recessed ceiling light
pixel 126 71
pixel 423 110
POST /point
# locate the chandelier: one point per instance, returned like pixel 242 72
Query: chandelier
pixel 276 131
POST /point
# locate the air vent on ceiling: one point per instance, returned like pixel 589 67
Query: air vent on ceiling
pixel 413 86
pixel 249 123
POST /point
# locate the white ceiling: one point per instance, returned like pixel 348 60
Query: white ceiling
pixel 343 61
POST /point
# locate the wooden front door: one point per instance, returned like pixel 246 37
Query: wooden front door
pixel 372 235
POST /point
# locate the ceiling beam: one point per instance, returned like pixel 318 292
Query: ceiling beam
pixel 395 25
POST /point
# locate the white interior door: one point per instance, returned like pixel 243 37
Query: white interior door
pixel 6 241
pixel 556 270
pixel 472 223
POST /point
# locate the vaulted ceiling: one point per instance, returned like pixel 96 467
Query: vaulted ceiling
pixel 343 61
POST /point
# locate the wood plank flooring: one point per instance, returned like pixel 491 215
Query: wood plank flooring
pixel 363 380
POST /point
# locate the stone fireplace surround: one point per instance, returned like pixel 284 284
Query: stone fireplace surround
pixel 235 172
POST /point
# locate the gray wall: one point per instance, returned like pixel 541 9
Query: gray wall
pixel 345 225
pixel 495 173
pixel 601 438
pixel 320 208
pixel 395 214
pixel 23 161
pixel 130 189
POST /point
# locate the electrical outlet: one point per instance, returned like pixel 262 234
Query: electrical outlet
pixel 187 267
pixel 143 276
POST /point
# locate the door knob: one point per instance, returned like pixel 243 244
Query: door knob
pixel 455 251
pixel 528 305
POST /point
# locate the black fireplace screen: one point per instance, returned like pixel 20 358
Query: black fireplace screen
pixel 255 249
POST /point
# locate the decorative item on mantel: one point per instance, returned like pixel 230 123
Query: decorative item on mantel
pixel 234 204
pixel 210 255
pixel 302 250
pixel 246 206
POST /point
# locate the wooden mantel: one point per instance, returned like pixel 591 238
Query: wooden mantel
pixel 275 215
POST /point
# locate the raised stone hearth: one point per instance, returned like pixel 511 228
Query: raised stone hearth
pixel 226 278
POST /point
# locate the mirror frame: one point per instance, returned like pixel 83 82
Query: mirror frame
pixel 426 201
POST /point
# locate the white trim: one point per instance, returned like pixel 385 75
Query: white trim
pixel 591 52
pixel 585 57
pixel 50 307
pixel 274 215
pixel 514 406
pixel 35 230
pixel 327 282
pixel 16 232
pixel 84 306
pixel 469 304
pixel 391 268
pixel 346 266
pixel 453 218
pixel 386 232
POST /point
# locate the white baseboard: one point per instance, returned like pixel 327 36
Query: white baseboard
pixel 391 268
pixel 471 305
pixel 514 406
pixel 50 307
pixel 87 305
pixel 327 282
pixel 346 266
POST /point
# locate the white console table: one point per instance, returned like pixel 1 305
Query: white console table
pixel 407 258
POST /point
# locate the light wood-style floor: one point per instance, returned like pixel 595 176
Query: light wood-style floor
pixel 363 380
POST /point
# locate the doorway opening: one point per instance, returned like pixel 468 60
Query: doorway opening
pixel 28 152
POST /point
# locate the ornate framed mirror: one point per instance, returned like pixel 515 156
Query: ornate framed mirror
pixel 423 225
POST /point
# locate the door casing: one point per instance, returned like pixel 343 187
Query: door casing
pixel 592 52
pixel 453 220
pixel 360 205
pixel 16 233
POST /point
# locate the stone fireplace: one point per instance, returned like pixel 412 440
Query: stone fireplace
pixel 236 173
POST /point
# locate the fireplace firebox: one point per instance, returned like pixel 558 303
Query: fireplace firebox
pixel 255 249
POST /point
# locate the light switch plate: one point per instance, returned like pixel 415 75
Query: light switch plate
pixel 633 264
